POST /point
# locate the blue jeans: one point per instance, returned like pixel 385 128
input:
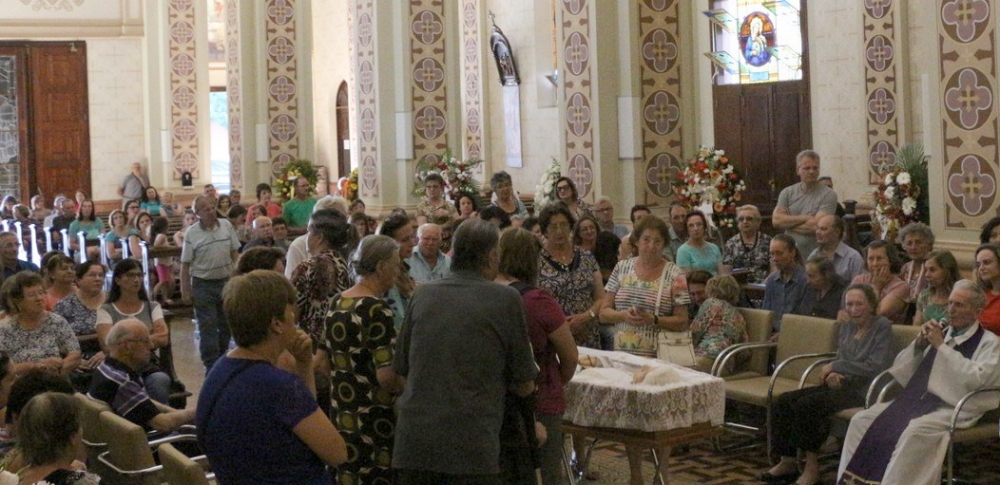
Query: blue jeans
pixel 212 323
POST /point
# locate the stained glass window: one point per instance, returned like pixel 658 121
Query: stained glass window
pixel 756 41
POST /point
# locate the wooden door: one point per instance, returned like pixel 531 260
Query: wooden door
pixel 60 137
pixel 13 119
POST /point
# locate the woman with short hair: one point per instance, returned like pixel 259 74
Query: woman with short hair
pixel 434 206
pixel 917 240
pixel 359 327
pixel 30 335
pixel 718 324
pixel 256 422
pixel 325 273
pixel 697 252
pixel 59 278
pixel 748 249
pixel 505 197
pixel 261 257
pixel 882 263
pixel 587 235
pixel 49 439
pixel 80 311
pixel 565 192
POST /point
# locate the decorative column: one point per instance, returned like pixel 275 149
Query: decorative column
pixel 363 47
pixel 578 96
pixel 968 83
pixel 282 79
pixel 184 139
pixel 881 82
pixel 660 73
pixel 472 75
pixel 427 60
pixel 234 94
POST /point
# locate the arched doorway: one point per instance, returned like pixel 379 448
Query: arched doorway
pixel 343 132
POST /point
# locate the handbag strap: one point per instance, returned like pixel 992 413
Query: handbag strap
pixel 659 291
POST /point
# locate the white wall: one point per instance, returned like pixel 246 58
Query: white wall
pixel 331 66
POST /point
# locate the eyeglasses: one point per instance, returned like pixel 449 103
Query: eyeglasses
pixel 132 274
pixel 561 188
pixel 746 219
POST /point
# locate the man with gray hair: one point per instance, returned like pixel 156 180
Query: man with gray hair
pixel 428 263
pixel 846 260
pixel 211 248
pixel 263 235
pixel 480 325
pixel 118 383
pixel 605 213
pixel 905 441
pixel 801 205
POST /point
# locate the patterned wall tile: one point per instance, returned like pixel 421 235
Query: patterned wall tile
pixel 427 61
pixel 185 139
pixel 234 93
pixel 472 93
pixel 576 71
pixel 281 49
pixel 660 119
pixel 366 76
pixel 967 32
pixel 882 78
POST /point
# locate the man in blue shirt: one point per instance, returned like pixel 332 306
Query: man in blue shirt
pixel 9 246
pixel 785 289
pixel 428 263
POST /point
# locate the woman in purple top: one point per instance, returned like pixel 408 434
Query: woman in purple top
pixel 257 423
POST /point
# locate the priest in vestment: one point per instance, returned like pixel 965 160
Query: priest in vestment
pixel 904 442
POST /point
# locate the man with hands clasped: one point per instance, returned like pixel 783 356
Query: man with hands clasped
pixel 905 441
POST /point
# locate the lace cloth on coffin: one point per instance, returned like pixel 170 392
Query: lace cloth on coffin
pixel 608 399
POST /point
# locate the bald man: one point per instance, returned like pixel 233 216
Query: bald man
pixel 118 383
pixel 263 233
pixel 134 184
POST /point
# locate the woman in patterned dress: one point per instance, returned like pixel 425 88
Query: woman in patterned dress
pixel 356 343
pixel 719 323
pixel 324 274
pixel 31 336
pixel 646 291
pixel 570 274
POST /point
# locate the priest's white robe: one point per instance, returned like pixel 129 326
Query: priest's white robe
pixel 919 454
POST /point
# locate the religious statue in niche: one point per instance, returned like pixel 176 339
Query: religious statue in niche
pixel 503 55
pixel 757 38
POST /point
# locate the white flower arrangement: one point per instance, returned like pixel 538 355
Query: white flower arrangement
pixel 545 191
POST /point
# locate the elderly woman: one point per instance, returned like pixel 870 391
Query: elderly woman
pixel 567 194
pixel 261 257
pixel 748 250
pixel 826 288
pixel 988 278
pixel 31 336
pixel 80 307
pixel 718 323
pixel 434 205
pixel 697 252
pixel 587 235
pixel 802 417
pixel 570 274
pixel 256 422
pixel 918 240
pixel 941 272
pixel 504 198
pixel 882 263
pixel 398 227
pixel 325 273
pixel 59 278
pixel 359 327
pixel 127 299
pixel 48 431
pixel 551 340
pixel 646 291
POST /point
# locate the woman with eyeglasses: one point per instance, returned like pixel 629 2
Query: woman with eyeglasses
pixel 31 336
pixel 567 194
pixel 434 206
pixel 80 311
pixel 748 251
pixel 504 198
pixel 127 299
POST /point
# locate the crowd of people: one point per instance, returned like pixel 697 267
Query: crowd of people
pixel 360 344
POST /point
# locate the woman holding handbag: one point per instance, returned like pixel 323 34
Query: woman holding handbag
pixel 646 295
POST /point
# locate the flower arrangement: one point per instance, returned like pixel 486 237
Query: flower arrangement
pixel 545 191
pixel 284 187
pixel 349 189
pixel 711 179
pixel 901 195
pixel 457 175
